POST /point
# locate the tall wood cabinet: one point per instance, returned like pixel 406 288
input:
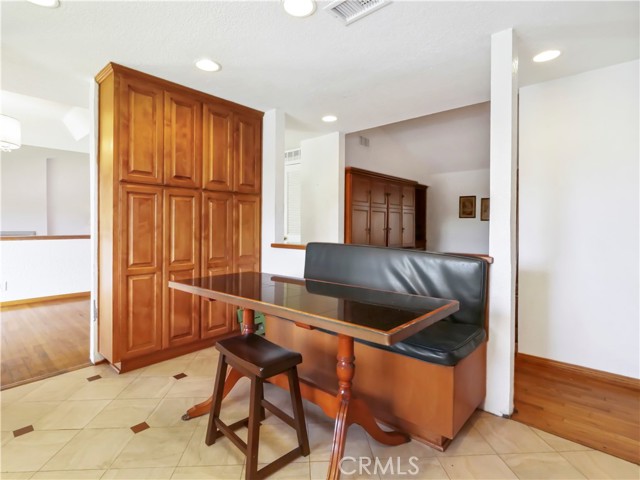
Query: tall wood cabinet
pixel 179 197
pixel 383 210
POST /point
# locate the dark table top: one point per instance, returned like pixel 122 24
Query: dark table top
pixel 374 315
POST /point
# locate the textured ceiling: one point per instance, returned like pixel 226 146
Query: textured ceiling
pixel 407 60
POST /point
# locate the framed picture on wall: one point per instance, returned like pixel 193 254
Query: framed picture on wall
pixel 484 209
pixel 467 207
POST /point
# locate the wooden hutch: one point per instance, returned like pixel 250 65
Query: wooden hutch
pixel 179 197
pixel 384 210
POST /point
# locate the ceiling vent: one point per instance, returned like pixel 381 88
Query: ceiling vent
pixel 351 10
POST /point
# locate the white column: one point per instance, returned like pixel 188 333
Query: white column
pixel 94 355
pixel 273 126
pixel 322 180
pixel 502 229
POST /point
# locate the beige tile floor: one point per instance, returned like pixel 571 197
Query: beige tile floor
pixel 82 430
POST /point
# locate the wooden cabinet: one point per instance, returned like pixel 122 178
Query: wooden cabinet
pixel 381 210
pixel 179 197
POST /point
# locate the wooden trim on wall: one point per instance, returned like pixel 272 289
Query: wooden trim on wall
pixel 52 298
pixel 293 246
pixel 591 407
pixel 47 237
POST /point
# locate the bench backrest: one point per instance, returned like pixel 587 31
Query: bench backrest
pixel 408 271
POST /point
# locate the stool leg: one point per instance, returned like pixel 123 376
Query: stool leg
pixel 298 411
pixel 254 428
pixel 263 413
pixel 212 429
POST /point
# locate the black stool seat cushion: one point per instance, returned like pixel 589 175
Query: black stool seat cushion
pixel 257 355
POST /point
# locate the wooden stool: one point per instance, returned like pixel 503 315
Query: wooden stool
pixel 257 358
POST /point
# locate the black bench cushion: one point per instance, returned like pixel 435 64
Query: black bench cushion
pixel 411 271
pixel 445 343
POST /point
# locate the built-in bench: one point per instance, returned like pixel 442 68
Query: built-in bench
pixel 429 384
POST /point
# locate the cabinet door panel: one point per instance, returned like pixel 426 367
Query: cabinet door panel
pixel 217 259
pixel 217 148
pixel 408 228
pixel 182 140
pixel 360 224
pixel 183 312
pixel 141 316
pixel 247 228
pixel 394 229
pixel 360 189
pixel 181 261
pixel 378 193
pixel 217 230
pixel 217 317
pixel 141 228
pixel 248 154
pixel 140 147
pixel 408 197
pixel 394 192
pixel 378 222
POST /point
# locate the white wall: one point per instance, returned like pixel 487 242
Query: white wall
pixel 45 190
pixel 275 260
pixel 23 197
pixel 449 233
pixel 68 205
pixel 42 268
pixel 450 141
pixel 578 280
pixel 322 180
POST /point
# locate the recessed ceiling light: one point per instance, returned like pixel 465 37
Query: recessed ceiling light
pixel 546 56
pixel 46 3
pixel 329 118
pixel 208 65
pixel 299 8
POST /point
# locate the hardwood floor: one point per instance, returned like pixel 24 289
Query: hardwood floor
pixel 43 339
pixel 597 409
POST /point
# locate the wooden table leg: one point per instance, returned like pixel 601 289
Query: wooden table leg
pixel 203 408
pixel 353 410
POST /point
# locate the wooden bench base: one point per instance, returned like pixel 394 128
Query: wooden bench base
pixel 430 402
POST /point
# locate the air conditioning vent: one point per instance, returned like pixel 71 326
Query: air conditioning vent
pixel 351 10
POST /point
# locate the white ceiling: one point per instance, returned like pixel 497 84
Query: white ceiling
pixel 42 122
pixel 404 61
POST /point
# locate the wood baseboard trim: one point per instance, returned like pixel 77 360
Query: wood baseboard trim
pixel 52 298
pixel 569 370
pixel 594 408
pixel 46 237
